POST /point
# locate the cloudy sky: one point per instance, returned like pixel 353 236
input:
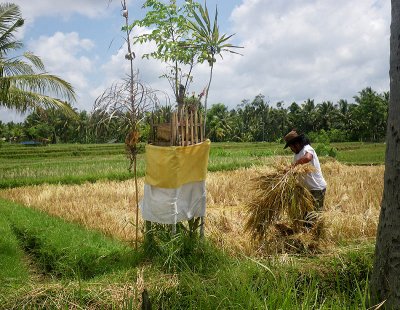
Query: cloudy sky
pixel 293 49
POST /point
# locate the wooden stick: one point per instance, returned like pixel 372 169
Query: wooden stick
pixel 191 127
pixel 173 127
pixel 177 128
pixel 202 227
pixel 182 130
pixel 196 132
pixel 137 202
pixel 187 127
pixel 201 128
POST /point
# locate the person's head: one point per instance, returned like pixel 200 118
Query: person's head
pixel 295 141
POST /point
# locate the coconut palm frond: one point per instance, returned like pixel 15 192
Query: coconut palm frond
pixel 9 14
pixel 24 100
pixel 14 67
pixel 9 46
pixel 42 84
pixel 35 60
pixel 24 84
pixel 10 20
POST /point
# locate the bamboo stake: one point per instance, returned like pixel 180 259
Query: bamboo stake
pixel 171 129
pixel 191 127
pixel 201 128
pixel 137 203
pixel 182 130
pixel 202 227
pixel 187 128
pixel 177 129
pixel 196 133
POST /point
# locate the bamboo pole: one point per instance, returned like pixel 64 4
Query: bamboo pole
pixel 201 128
pixel 137 202
pixel 191 128
pixel 171 142
pixel 202 226
pixel 177 129
pixel 182 130
pixel 196 132
pixel 187 128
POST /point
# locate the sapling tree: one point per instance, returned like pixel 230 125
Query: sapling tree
pixel 207 41
pixel 185 36
pixel 170 32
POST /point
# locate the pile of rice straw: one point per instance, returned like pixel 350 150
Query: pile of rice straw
pixel 278 196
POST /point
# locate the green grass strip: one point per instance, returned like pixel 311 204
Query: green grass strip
pixel 12 269
pixel 76 164
pixel 65 249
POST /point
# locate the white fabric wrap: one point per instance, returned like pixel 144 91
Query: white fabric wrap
pixel 173 205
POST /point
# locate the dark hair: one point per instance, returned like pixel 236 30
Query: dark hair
pixel 302 140
pixel 306 140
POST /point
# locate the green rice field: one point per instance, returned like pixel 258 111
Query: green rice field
pixel 75 164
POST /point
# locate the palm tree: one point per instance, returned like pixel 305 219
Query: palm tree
pixel 24 82
pixel 326 114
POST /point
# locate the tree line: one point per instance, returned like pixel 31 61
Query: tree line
pixel 256 120
pixel 251 121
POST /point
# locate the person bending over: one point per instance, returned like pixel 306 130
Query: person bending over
pixel 304 154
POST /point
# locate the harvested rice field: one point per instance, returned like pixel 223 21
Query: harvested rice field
pixel 351 210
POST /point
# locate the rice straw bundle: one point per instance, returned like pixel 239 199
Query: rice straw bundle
pixel 279 196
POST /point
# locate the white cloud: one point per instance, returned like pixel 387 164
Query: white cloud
pixel 117 68
pixel 32 9
pixel 68 56
pixel 326 50
pixel 294 50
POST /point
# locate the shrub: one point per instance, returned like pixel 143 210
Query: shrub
pixel 319 137
pixel 326 150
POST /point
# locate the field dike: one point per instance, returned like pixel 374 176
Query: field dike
pixel 351 206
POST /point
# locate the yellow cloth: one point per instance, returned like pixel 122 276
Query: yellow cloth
pixel 173 166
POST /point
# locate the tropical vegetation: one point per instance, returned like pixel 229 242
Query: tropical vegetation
pixel 254 120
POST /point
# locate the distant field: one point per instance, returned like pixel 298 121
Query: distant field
pixel 75 164
pixel 361 153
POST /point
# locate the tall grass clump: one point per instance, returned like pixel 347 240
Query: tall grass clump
pixel 64 249
pixel 184 250
pixel 270 284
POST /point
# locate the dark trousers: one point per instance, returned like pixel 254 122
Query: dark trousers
pixel 312 217
pixel 319 197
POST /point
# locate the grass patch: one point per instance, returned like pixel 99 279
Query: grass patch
pixel 13 272
pixel 179 272
pixel 361 153
pixel 63 249
pixel 269 284
pixel 180 252
pixel 75 164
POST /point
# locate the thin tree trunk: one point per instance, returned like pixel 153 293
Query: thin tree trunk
pixel 385 280
pixel 206 98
